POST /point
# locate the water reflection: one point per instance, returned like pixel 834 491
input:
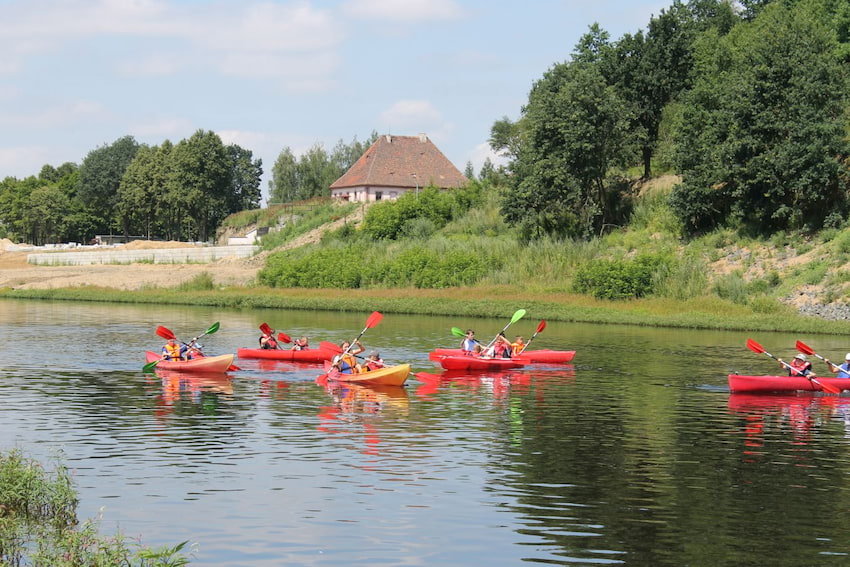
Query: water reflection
pixel 634 455
pixel 200 388
pixel 805 415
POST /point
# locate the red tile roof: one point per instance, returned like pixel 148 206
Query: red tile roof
pixel 402 161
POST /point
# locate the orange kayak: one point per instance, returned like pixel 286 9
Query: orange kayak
pixel 389 376
pixel 204 364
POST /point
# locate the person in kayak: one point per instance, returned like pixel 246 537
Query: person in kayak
pixel 194 351
pixel 300 344
pixel 172 351
pixel 374 361
pixel 501 348
pixel 517 346
pixel 267 340
pixel 843 370
pixel 467 345
pixel 799 366
pixel 346 362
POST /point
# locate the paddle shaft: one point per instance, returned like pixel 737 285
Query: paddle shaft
pixel 806 349
pixel 519 314
pixel 540 327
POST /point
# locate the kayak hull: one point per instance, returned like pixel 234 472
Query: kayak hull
pixel 205 364
pixel 309 355
pixel 544 356
pixel 742 383
pixel 466 362
pixel 389 376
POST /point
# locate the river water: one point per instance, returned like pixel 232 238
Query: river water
pixel 635 454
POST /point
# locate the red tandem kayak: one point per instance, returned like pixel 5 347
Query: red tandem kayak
pixel 740 383
pixel 466 362
pixel 528 357
pixel 204 364
pixel 308 355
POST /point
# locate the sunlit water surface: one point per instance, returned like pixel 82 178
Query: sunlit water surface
pixel 635 454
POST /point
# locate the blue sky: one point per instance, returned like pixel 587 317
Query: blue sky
pixel 79 74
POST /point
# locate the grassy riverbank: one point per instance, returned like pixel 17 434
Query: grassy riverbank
pixel 645 273
pixel 494 301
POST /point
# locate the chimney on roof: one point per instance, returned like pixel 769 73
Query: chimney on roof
pixel 423 138
pixel 389 138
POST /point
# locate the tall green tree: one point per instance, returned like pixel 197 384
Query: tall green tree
pixel 141 191
pixel 245 180
pixel 100 176
pixel 199 181
pixel 48 209
pixel 283 185
pixel 763 132
pixel 312 174
pixel 575 129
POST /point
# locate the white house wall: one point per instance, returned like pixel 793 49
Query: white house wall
pixel 368 194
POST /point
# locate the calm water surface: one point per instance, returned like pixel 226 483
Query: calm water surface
pixel 634 455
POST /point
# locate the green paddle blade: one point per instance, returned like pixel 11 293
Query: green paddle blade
pixel 150 366
pixel 458 332
pixel 520 313
pixel 213 328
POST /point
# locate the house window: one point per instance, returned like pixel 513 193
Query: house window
pixel 378 195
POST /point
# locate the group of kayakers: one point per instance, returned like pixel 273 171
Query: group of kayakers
pixel 801 366
pixel 346 363
pixel 500 347
pixel 269 341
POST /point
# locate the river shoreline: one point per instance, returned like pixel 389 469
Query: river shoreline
pixel 498 302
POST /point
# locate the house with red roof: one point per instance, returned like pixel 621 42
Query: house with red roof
pixel 395 165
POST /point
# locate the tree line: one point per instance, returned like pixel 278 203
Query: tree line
pixel 171 191
pixel 746 101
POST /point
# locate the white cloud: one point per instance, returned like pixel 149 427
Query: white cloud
pixel 411 115
pixel 231 37
pixel 479 154
pixel 172 128
pixel 64 115
pixel 23 161
pixel 404 10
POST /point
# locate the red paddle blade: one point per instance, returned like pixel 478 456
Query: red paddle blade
pixel 266 329
pixel 804 348
pixel 325 345
pixel 373 319
pixel 541 326
pixel 284 338
pixel 754 346
pixel 827 387
pixel 165 333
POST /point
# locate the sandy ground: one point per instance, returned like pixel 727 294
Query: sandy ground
pixel 17 274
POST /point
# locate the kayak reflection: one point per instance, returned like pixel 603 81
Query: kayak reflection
pixel 804 414
pixel 200 388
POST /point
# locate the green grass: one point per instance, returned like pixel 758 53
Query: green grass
pixel 39 526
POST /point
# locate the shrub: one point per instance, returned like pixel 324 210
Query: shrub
pixel 617 279
pixel 732 287
pixel 425 268
pixel 325 268
pixel 202 282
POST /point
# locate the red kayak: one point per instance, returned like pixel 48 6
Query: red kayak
pixel 308 355
pixel 204 364
pixel 466 362
pixel 740 383
pixel 528 357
